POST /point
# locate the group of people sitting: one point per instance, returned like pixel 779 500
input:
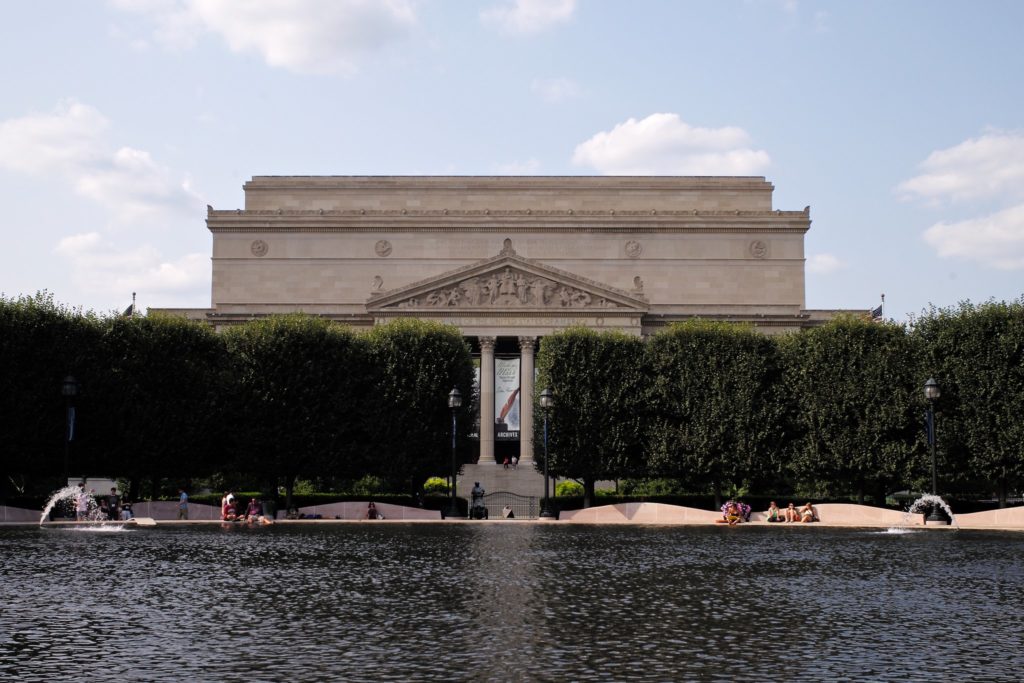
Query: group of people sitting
pixel 735 512
pixel 253 513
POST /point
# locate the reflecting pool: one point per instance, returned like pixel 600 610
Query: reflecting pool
pixel 510 601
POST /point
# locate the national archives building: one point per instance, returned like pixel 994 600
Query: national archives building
pixel 508 260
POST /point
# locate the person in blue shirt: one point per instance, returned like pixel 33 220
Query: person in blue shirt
pixel 182 504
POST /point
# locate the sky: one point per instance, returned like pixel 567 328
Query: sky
pixel 901 124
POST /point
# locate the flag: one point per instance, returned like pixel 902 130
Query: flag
pixel 876 313
pixel 128 312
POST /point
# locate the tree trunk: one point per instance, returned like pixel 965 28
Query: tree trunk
pixel 588 492
pixel 718 494
pixel 1002 492
pixel 133 489
pixel 289 486
pixel 880 494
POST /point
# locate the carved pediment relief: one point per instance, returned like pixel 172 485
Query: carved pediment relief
pixel 508 281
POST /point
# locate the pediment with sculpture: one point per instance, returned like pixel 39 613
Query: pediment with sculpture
pixel 508 281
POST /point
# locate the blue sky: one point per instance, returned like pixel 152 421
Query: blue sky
pixel 901 124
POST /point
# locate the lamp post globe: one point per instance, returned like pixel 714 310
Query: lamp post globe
pixel 547 402
pixel 454 403
pixel 932 392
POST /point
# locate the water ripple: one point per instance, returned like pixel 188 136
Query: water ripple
pixel 515 602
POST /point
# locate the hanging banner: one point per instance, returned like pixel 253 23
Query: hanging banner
pixel 506 399
pixel 474 427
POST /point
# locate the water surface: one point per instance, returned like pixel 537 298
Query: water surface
pixel 510 601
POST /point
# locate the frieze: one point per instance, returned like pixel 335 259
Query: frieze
pixel 508 288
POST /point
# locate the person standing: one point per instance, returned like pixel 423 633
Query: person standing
pixel 182 504
pixel 114 504
pixel 82 504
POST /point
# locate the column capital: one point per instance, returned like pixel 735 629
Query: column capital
pixel 527 343
pixel 486 343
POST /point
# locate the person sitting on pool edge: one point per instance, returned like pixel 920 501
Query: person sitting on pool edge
pixel 730 515
pixel 808 513
pixel 774 514
pixel 792 515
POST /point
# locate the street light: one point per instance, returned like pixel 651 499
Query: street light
pixel 454 402
pixel 547 402
pixel 70 390
pixel 931 394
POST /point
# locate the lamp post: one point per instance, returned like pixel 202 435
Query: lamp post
pixel 70 390
pixel 931 394
pixel 547 402
pixel 454 402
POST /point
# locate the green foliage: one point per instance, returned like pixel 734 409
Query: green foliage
pixel 718 409
pixel 369 485
pixel 569 489
pixel 303 487
pixel 436 486
pixel 305 397
pixel 854 390
pixel 420 362
pixel 650 487
pixel 600 384
pixel 161 397
pixel 40 343
pixel 976 354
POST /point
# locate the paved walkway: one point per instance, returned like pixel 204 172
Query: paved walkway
pixel 830 515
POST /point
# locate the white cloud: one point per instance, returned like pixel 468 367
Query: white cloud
pixel 102 268
pixel 823 264
pixel 555 89
pixel 44 143
pixel 306 36
pixel 662 144
pixel 140 197
pixel 529 16
pixel 71 144
pixel 978 168
pixel 996 240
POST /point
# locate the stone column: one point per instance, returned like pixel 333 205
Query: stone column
pixel 486 401
pixel 526 347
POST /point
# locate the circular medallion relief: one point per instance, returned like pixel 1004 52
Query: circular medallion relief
pixel 383 248
pixel 259 248
pixel 633 248
pixel 758 249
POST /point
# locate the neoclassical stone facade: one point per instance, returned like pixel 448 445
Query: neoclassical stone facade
pixel 510 259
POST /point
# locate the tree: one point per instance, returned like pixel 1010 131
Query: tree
pixel 600 383
pixel 303 385
pixel 854 388
pixel 161 398
pixel 718 414
pixel 40 343
pixel 420 362
pixel 976 354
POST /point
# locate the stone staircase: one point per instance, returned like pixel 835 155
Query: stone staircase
pixel 524 480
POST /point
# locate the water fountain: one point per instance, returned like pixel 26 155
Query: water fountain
pixel 934 503
pixel 71 493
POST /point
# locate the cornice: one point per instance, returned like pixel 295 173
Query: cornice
pixel 514 221
pixel 500 183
